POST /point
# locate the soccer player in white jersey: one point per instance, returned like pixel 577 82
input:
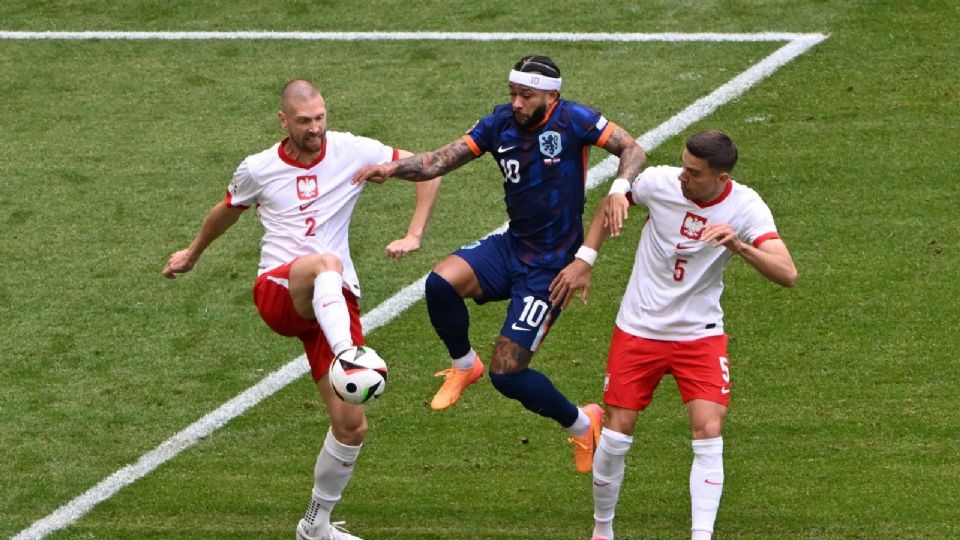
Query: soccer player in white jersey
pixel 307 286
pixel 670 320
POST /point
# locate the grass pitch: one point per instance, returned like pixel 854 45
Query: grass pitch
pixel 843 423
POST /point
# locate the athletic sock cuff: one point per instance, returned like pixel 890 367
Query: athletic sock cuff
pixel 343 452
pixel 329 280
pixel 614 442
pixel 707 446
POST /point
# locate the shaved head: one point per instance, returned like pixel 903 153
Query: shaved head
pixel 297 91
pixel 303 115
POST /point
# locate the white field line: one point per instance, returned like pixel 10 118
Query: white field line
pixel 410 36
pixel 411 294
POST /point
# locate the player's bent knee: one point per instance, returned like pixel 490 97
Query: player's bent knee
pixel 323 262
pixel 708 430
pixel 350 430
pixel 458 275
pixel 436 284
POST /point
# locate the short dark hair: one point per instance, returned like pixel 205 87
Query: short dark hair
pixel 538 64
pixel 716 147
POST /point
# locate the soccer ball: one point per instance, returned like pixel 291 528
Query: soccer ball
pixel 358 374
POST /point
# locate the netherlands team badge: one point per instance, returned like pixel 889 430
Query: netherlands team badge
pixel 550 147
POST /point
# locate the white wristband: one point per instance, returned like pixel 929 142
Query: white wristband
pixel 620 186
pixel 587 255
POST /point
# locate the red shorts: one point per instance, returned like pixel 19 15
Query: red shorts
pixel 635 366
pixel 271 293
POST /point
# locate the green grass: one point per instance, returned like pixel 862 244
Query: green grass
pixel 843 423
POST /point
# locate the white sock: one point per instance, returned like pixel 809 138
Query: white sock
pixel 706 485
pixel 465 362
pixel 608 469
pixel 330 308
pixel 579 426
pixel 330 476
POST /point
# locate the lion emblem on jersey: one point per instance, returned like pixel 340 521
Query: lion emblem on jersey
pixel 306 187
pixel 550 144
pixel 692 226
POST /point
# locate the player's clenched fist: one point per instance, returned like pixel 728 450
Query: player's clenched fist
pixel 377 174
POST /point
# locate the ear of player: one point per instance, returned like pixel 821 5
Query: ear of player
pixel 357 375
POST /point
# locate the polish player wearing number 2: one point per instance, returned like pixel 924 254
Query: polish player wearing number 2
pixel 670 320
pixel 540 143
pixel 307 286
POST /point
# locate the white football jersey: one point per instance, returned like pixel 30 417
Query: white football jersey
pixel 306 209
pixel 676 283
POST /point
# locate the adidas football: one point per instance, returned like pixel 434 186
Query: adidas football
pixel 358 374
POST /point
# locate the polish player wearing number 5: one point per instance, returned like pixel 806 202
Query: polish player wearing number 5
pixel 540 143
pixel 670 320
pixel 307 286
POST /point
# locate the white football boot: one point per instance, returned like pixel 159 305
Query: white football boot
pixel 336 532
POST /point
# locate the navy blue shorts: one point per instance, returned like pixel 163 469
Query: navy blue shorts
pixel 502 276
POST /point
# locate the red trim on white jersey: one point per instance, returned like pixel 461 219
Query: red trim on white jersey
pixel 307 210
pixel 763 238
pixel 726 192
pixel 396 155
pixel 294 163
pixel 677 280
pixel 229 201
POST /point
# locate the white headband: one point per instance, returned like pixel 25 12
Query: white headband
pixel 535 80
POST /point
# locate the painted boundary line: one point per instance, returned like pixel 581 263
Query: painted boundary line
pixel 411 294
pixel 409 36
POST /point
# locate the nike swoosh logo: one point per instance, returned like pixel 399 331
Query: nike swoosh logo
pixel 681 246
pixel 305 206
pixel 519 328
pixel 725 390
pixel 601 484
pixel 330 303
pixel 507 149
pixel 707 481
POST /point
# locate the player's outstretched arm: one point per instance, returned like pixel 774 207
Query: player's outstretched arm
pixel 772 259
pixel 577 275
pixel 426 196
pixel 632 160
pixel 419 167
pixel 220 218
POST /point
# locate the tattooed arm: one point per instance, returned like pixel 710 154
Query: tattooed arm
pixel 632 160
pixel 419 167
pixel 632 155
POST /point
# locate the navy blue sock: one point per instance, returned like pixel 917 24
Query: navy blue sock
pixel 535 391
pixel 448 314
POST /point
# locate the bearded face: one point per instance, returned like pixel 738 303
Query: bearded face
pixel 529 104
pixel 538 115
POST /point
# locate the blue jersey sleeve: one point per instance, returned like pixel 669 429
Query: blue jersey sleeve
pixel 486 132
pixel 588 125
